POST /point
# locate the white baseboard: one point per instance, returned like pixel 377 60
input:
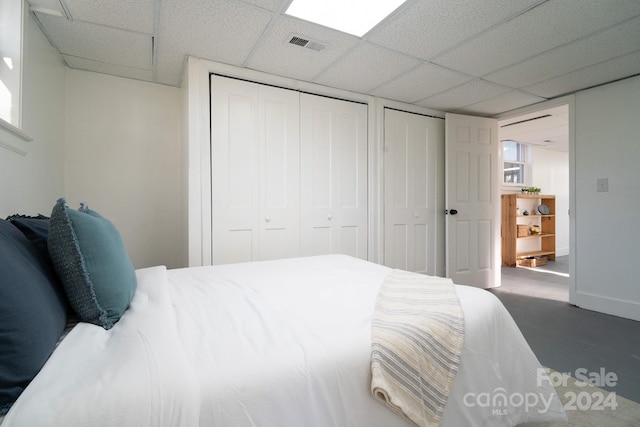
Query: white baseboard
pixel 607 305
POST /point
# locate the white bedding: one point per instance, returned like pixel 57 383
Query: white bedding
pixel 268 344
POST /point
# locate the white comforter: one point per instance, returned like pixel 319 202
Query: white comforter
pixel 269 344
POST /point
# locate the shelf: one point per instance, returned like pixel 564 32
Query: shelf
pixel 534 253
pixel 531 236
pixel 534 196
pixel 529 245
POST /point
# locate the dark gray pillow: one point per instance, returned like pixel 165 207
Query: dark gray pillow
pixel 35 228
pixel 89 256
pixel 33 313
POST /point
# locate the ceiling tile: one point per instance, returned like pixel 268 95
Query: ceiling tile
pixel 616 69
pixel 420 83
pixel 501 103
pixel 52 7
pixel 170 66
pixel 102 67
pixel 616 41
pixel 273 5
pixel 427 28
pixel 133 15
pixel 365 68
pixel 99 43
pixel 222 30
pixel 551 24
pixel 276 55
pixel 466 94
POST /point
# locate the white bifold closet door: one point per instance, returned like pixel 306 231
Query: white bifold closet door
pixel 413 184
pixel 255 171
pixel 333 155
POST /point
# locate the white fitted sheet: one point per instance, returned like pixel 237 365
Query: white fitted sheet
pixel 272 344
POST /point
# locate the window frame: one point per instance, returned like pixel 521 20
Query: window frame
pixel 523 160
pixel 14 122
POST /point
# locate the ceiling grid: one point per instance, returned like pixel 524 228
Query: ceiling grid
pixel 464 56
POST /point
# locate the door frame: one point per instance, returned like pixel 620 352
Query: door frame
pixel 196 150
pixel 568 100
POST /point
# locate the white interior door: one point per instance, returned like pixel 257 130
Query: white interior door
pixel 255 171
pixel 333 156
pixel 411 240
pixel 472 200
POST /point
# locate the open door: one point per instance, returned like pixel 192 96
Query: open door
pixel 472 199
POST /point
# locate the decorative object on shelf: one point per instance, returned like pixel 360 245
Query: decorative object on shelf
pixel 523 230
pixel 543 209
pixel 535 229
pixel 525 213
pixel 536 261
pixel 531 190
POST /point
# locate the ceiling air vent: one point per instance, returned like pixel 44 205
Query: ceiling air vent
pixel 306 43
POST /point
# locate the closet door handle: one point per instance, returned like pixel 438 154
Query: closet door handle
pixel 267 219
pixel 329 217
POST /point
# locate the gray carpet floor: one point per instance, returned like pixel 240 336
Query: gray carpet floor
pixel 567 338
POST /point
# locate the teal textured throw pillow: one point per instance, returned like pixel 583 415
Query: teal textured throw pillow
pixel 89 256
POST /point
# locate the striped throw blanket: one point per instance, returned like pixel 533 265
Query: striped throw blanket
pixel 417 337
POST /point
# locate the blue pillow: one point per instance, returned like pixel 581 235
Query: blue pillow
pixel 33 313
pixel 89 256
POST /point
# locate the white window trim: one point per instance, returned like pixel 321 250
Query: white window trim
pixel 527 169
pixel 13 132
pixel 15 122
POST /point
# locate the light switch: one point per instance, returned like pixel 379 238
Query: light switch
pixel 603 185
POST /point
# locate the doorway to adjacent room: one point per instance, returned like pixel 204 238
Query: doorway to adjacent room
pixel 536 154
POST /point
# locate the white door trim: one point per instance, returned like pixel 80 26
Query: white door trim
pixel 569 100
pixel 196 155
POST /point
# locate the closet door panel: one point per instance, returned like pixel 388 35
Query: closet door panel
pixel 255 171
pixel 235 170
pixel 316 180
pixel 280 173
pixel 410 191
pixel 333 176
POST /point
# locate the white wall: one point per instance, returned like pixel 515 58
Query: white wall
pixel 550 172
pixel 607 228
pixel 123 158
pixel 30 184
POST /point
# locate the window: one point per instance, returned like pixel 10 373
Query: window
pixel 514 158
pixel 10 61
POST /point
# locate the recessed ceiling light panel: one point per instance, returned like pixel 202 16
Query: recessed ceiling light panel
pixel 355 17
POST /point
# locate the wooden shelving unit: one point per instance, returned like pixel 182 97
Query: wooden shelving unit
pixel 516 248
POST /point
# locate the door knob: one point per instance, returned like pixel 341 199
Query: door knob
pixel 267 219
pixel 451 212
pixel 329 217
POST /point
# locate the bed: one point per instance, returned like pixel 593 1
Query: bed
pixel 273 343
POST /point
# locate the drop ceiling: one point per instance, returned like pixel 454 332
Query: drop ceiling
pixel 547 128
pixel 480 57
